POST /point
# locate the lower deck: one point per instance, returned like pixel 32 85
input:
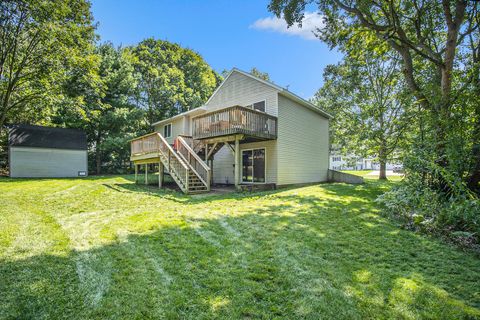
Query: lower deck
pixel 237 160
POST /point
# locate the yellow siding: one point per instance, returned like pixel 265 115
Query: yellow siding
pixel 241 90
pixel 303 144
pixel 178 128
pixel 223 166
pixel 223 162
pixel 299 155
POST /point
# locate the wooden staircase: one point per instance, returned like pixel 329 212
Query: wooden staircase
pixel 198 146
pixel 184 165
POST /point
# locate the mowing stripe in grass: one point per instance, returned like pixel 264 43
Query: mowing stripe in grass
pixel 302 253
pixel 94 273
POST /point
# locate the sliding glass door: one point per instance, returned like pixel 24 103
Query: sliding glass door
pixel 253 166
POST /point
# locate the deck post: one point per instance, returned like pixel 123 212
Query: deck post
pixel 237 163
pixel 136 171
pixel 160 174
pixel 211 171
pixel 146 174
pixel 206 152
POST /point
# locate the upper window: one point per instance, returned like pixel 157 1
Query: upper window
pixel 167 130
pixel 259 106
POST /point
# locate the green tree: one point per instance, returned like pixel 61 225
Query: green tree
pixel 259 74
pixel 432 38
pixel 371 110
pixel 105 108
pixel 172 79
pixel 40 41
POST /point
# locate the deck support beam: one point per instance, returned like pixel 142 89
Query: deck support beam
pixel 160 174
pixel 229 146
pixel 229 138
pixel 136 171
pixel 212 150
pixel 146 173
pixel 237 163
pixel 211 171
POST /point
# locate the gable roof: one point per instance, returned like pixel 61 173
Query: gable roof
pixel 46 137
pixel 283 91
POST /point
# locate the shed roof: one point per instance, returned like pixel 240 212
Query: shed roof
pixel 46 137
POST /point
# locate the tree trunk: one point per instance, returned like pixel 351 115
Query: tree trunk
pixel 98 161
pixel 382 158
pixel 383 170
pixel 2 122
pixel 473 181
pixel 98 155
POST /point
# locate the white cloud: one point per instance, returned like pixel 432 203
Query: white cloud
pixel 310 23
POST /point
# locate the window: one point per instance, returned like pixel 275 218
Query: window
pixel 167 130
pixel 259 106
pixel 253 166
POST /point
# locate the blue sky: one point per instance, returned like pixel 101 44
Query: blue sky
pixel 226 33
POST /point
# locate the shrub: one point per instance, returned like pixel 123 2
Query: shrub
pixel 423 209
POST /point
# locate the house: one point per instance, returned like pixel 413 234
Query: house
pixel 352 162
pixel 249 132
pixel 45 152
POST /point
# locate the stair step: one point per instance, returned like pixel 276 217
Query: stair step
pixel 196 186
pixel 192 180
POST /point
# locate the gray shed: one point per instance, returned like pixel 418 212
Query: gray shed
pixel 45 152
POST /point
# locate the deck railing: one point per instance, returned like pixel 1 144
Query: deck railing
pixel 156 144
pixel 146 144
pixel 235 120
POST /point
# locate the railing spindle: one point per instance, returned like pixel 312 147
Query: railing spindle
pixel 234 120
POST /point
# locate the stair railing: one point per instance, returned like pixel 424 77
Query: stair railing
pixel 196 145
pixel 155 143
pixel 174 163
pixel 202 170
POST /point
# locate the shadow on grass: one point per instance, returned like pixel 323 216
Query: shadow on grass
pixel 293 256
pixel 369 191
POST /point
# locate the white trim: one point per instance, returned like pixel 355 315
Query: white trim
pixel 264 167
pixel 280 90
pixel 164 126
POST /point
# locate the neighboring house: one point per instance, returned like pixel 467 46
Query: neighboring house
pixel 352 162
pixel 44 152
pixel 250 131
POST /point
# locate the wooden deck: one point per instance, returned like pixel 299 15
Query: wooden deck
pixel 233 121
pixel 187 162
pixel 190 173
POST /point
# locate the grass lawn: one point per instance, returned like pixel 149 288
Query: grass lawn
pixel 106 248
pixel 366 175
pixel 360 173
